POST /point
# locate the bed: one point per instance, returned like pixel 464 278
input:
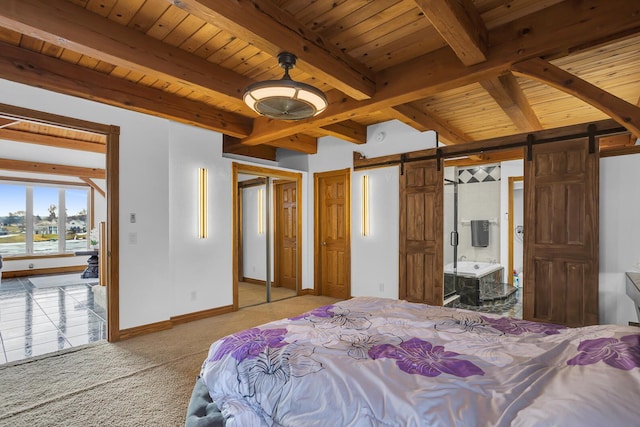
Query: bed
pixel 385 362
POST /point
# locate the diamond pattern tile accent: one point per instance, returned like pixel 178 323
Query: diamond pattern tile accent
pixel 479 174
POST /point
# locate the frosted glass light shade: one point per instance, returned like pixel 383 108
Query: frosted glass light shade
pixel 285 99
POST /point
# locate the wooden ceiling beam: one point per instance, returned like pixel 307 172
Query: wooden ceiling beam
pixel 93 185
pixel 620 151
pixel 506 91
pixel 636 136
pixel 558 28
pixel 51 169
pixel 50 120
pixel 7 122
pixel 299 142
pixel 498 156
pixel 232 145
pixel 487 146
pixel 271 30
pixel 348 131
pixel 64 24
pixel 255 182
pixel 460 25
pixel 623 112
pixel 615 141
pixel 27 67
pixel 52 141
pixel 416 117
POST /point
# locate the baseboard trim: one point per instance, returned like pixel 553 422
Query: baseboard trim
pixel 36 271
pixel 198 315
pixel 173 321
pixel 307 292
pixel 145 329
pixel 254 281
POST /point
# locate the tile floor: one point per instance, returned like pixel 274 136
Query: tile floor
pixel 509 309
pixel 37 321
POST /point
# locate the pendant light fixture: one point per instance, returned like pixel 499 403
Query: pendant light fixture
pixel 285 99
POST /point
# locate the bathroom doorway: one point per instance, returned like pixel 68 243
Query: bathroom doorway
pixel 477 269
pixel 516 231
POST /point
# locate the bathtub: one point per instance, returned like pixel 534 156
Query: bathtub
pixel 473 268
pixel 472 278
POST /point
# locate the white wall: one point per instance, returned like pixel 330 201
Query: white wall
pixel 254 244
pixel 145 269
pixel 619 235
pixel 162 263
pixel 374 259
pixel 165 270
pixel 478 201
pixel 201 274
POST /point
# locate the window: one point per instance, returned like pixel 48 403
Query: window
pixel 42 219
pixel 13 224
pixel 76 203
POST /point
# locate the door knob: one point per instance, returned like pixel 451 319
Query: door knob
pixel 324 243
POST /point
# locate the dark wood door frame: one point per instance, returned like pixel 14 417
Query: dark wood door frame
pixel 112 159
pixel 241 168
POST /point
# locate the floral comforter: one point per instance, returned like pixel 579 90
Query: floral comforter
pixel 384 362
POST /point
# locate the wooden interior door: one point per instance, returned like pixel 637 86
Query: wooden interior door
pixel 333 225
pixel 421 233
pixel 285 234
pixel 561 237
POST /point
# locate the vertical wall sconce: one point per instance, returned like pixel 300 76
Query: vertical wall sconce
pixel 261 211
pixel 203 203
pixel 365 205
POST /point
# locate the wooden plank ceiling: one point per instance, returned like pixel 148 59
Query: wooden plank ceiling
pixel 469 69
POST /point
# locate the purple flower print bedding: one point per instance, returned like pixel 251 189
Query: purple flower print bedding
pixel 383 362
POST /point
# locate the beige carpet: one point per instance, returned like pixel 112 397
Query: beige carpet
pixel 143 381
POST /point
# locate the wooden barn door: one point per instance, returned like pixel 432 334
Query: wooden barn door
pixel 561 251
pixel 285 234
pixel 332 231
pixel 421 235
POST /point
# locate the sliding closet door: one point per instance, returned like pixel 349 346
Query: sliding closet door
pixel 421 210
pixel 561 251
pixel 285 234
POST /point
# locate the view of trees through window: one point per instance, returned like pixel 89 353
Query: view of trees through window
pixel 58 219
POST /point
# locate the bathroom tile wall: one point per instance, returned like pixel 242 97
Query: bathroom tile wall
pixel 479 200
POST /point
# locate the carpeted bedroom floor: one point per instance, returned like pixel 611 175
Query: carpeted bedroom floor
pixel 143 381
